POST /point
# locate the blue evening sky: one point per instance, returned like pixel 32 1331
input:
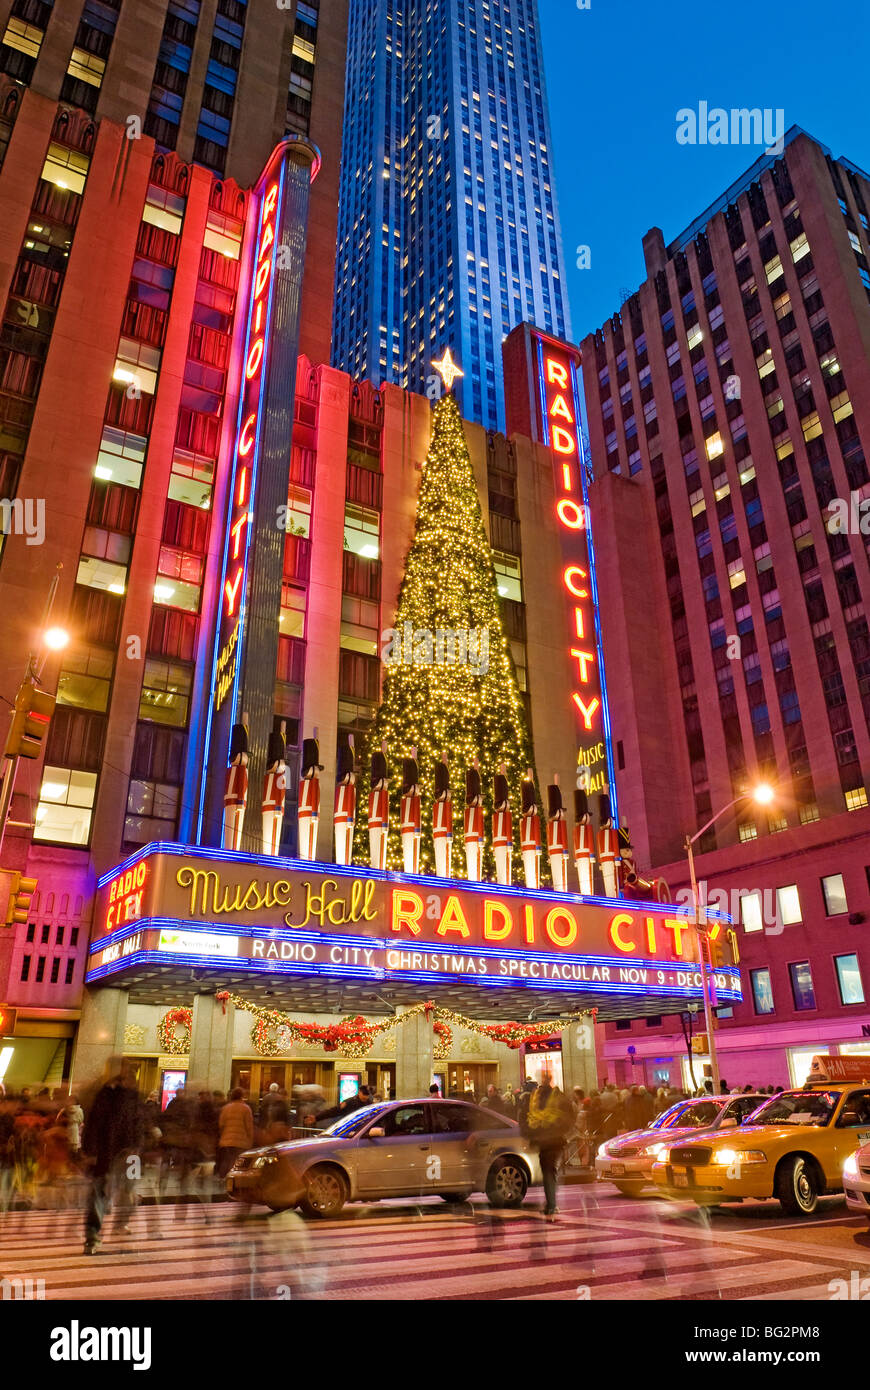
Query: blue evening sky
pixel 617 74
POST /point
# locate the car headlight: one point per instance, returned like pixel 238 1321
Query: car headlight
pixel 653 1150
pixel 850 1167
pixel 263 1160
pixel 725 1157
pixel 604 1151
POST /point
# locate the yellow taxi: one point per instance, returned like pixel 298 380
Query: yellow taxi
pixel 792 1148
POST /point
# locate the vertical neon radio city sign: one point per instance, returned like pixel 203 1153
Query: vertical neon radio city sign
pixel 560 417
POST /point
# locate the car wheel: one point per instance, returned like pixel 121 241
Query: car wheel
pixel 507 1184
pixel 629 1189
pixel 797 1187
pixel 325 1191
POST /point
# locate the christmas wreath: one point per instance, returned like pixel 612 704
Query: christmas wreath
pixel 170 1041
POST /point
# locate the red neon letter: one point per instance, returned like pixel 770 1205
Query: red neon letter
pixel 564 914
pixel 563 442
pixel 582 658
pixel 236 533
pixel 677 925
pixel 255 357
pixel 587 711
pixel 571 514
pixel 557 373
pixel 231 588
pixel 263 273
pixel 407 911
pixel 622 919
pixel 246 438
pixel 570 582
pixel 578 622
pixel 529 914
pixel 492 910
pixel 271 199
pixel 560 407
pixel 453 919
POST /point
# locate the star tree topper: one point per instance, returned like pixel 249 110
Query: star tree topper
pixel 447 369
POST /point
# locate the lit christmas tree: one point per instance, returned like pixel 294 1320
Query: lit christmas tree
pixel 450 684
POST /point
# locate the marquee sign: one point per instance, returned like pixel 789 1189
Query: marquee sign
pixel 211 908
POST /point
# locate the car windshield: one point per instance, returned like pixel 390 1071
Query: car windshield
pixel 349 1125
pixel 681 1114
pixel 797 1108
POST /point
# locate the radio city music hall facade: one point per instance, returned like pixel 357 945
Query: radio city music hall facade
pixel 190 606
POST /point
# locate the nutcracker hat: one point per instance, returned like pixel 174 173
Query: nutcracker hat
pixel 238 741
pixel 625 841
pixel 605 814
pixel 581 803
pixel 277 751
pixel 442 779
pixel 530 801
pixel 554 799
pixel 500 790
pixel 344 763
pixel 410 774
pixel 311 756
pixel 379 767
pixel 472 785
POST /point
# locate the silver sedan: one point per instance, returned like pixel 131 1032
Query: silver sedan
pixel 404 1148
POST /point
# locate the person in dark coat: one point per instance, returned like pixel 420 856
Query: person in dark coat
pixel 113 1136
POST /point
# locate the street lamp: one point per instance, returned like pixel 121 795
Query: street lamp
pixel 762 795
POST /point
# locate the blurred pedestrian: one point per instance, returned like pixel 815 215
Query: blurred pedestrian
pixel 236 1131
pixel 493 1101
pixel 112 1139
pixel 549 1122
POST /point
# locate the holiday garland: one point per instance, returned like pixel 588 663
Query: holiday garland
pixel 355 1035
pixel 170 1042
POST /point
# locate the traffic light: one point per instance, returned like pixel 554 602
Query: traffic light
pixel 716 946
pixel 735 948
pixel 21 890
pixel 33 711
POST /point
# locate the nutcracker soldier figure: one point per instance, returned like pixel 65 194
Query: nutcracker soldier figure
pixel 473 824
pixel 584 835
pixel 608 847
pixel 442 818
pixel 379 810
pixel 557 836
pixel 236 786
pixel 308 813
pixel 274 790
pixel 410 814
pixel 631 883
pixel 502 827
pixel 530 833
pixel 344 817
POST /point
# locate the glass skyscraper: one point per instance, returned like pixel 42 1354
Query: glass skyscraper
pixel 448 225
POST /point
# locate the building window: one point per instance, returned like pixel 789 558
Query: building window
pixel 762 993
pixel 66 801
pixel 165 692
pixel 849 979
pixel 788 905
pixel 856 798
pixel 508 575
pixel 361 531
pixel 70 967
pixel 801 977
pixel 834 895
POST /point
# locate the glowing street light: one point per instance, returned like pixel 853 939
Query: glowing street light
pixel 763 794
pixel 55 638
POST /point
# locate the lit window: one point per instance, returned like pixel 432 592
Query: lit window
pixel 849 979
pixel 292 616
pixel 361 531
pixel 788 905
pixel 802 990
pixel 152 812
pixel 165 692
pixel 121 457
pixel 694 336
pixel 191 479
pixel 65 806
pixel 810 812
pixel 762 993
pixel 101 574
pixel 811 426
pixel 137 364
pixel 163 209
pixel 834 895
pixel 855 243
pixel 782 305
pixel 508 575
pixel 66 168
pixel 799 247
pixel 26 38
pixel 750 912
pixel 773 269
pixel 298 522
pixel 856 798
pixel 85 679
pixel 747 831
pixel 715 446
pixel 87 67
pixel 223 234
pixel 841 406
